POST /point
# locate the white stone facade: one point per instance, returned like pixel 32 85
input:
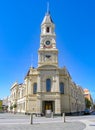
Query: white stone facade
pixel 47 87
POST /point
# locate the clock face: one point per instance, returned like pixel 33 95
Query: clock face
pixel 47 43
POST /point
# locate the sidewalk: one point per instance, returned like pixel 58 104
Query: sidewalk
pixel 45 126
pixel 22 122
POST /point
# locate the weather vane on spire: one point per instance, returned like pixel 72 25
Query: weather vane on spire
pixel 48 8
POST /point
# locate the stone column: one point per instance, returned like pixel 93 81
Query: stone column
pixel 39 106
pixel 25 105
pixel 29 87
pixel 57 106
pixel 38 84
pixel 57 83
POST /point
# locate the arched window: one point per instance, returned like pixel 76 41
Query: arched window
pixel 48 85
pixel 47 29
pixel 35 88
pixel 62 88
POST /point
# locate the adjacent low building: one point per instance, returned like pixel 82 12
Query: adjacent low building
pixel 88 96
pixel 5 104
pixel 47 87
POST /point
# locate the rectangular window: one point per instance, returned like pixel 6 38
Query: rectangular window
pixel 47 29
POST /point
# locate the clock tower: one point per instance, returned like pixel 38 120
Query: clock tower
pixel 47 54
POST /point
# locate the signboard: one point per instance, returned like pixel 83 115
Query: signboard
pixel 48 113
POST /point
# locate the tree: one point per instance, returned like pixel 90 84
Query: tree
pixel 15 105
pixel 87 103
pixel 1 108
pixel 94 106
pixel 11 107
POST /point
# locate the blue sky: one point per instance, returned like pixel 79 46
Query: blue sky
pixel 20 22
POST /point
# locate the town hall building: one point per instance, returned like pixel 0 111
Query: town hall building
pixel 47 87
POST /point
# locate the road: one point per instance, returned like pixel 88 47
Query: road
pixel 89 121
pixel 22 122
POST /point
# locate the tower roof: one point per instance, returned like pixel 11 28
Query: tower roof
pixel 47 19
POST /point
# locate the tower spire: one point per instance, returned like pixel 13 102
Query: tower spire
pixel 48 8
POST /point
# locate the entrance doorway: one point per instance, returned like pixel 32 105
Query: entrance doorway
pixel 48 105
